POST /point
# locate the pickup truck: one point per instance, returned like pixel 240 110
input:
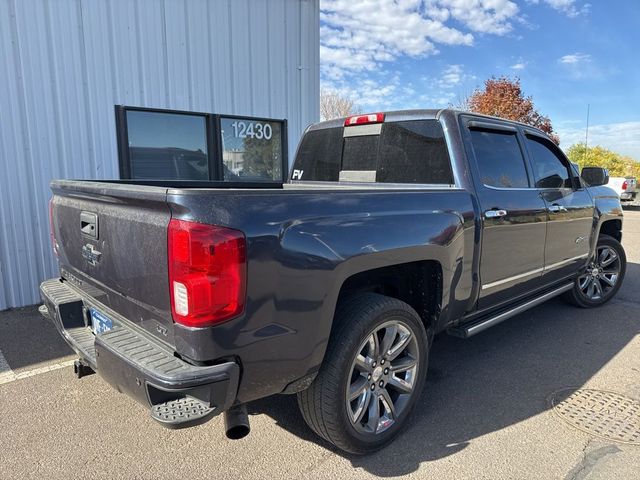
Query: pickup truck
pixel 625 187
pixel 196 298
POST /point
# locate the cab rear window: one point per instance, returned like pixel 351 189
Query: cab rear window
pixel 404 152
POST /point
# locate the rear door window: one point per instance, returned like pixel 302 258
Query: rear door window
pixel 404 152
pixel 499 157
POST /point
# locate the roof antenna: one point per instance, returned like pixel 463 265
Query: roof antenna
pixel 586 139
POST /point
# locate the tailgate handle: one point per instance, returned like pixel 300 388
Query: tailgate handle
pixel 89 224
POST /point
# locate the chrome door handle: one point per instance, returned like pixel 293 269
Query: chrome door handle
pixel 495 213
pixel 557 208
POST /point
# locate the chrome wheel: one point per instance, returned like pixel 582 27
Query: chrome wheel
pixel 602 274
pixel 383 376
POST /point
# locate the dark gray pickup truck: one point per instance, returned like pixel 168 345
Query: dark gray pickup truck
pixel 198 298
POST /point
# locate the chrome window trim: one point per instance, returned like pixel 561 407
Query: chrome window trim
pixel 562 263
pixel 509 188
pixel 513 278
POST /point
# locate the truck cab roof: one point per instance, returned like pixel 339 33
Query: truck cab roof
pixel 425 114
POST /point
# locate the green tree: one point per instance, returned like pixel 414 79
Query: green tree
pixel 597 156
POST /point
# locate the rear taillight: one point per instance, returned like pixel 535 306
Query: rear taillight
pixel 624 185
pixel 207 273
pixel 52 233
pixel 364 119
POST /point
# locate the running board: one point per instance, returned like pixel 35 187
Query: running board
pixel 468 330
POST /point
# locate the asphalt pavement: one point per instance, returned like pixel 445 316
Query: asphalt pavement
pixel 486 411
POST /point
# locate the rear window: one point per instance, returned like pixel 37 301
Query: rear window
pixel 404 152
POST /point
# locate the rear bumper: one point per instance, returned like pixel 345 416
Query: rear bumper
pixel 178 393
pixel 628 196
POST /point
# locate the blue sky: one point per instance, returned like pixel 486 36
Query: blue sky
pixel 392 54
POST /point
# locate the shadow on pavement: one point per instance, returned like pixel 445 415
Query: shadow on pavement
pixel 486 383
pixel 27 338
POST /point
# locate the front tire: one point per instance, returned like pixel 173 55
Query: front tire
pixel 373 373
pixel 602 278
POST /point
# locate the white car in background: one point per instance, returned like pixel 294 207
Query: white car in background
pixel 625 187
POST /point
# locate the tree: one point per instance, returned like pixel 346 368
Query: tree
pixel 618 165
pixel 503 97
pixel 334 105
pixel 263 157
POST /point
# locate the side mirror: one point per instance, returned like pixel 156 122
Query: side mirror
pixel 595 176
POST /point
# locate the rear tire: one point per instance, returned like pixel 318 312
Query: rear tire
pixel 602 278
pixel 372 375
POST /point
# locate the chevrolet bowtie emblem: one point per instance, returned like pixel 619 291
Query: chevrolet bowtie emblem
pixel 90 254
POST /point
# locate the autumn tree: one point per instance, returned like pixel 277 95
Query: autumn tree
pixel 334 105
pixel 618 165
pixel 503 97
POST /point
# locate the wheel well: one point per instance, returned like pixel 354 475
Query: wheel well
pixel 418 284
pixel 613 228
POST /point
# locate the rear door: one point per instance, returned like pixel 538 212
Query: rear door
pixel 569 205
pixel 513 213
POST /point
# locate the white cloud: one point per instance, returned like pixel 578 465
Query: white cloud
pixel 570 8
pixel 623 138
pixel 371 94
pixel 484 16
pixel 575 58
pixel 580 66
pixel 519 65
pixel 389 92
pixel 362 35
pixel 358 36
pixel 437 99
pixel 451 76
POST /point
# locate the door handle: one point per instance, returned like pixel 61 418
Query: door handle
pixel 495 213
pixel 555 208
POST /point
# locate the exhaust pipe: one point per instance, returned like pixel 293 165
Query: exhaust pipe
pixel 236 422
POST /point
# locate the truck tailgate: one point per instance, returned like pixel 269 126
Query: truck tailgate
pixel 112 244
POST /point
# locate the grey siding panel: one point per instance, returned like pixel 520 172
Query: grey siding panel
pixel 64 64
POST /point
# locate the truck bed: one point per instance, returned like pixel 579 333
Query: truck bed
pixel 303 241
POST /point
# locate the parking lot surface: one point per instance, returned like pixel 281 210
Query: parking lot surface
pixel 486 411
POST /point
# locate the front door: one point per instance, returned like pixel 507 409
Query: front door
pixel 569 205
pixel 513 214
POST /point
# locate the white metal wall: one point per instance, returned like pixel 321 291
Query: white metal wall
pixel 64 64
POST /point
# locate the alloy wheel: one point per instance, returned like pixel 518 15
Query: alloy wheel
pixel 383 376
pixel 601 275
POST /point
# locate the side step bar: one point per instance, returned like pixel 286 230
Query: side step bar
pixel 480 325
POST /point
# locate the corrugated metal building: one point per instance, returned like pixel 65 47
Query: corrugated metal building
pixel 64 64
